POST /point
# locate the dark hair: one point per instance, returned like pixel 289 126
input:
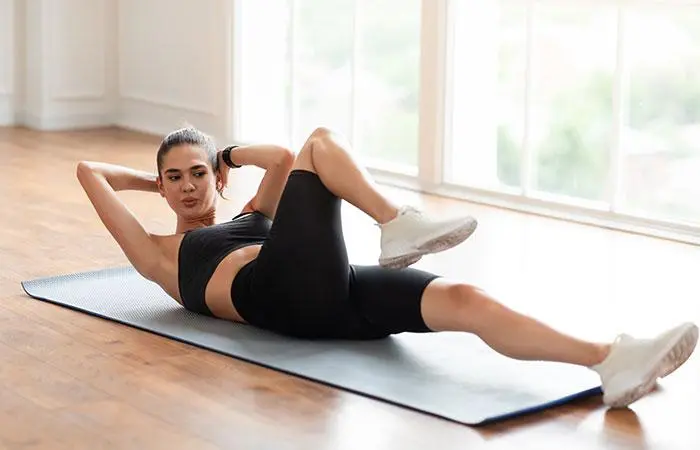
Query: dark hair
pixel 188 136
pixel 185 136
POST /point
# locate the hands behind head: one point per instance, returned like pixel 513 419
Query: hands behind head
pixel 222 171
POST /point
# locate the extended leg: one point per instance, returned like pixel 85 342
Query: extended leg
pixel 451 306
pixel 406 233
pixel 628 367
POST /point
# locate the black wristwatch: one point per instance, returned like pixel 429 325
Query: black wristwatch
pixel 226 157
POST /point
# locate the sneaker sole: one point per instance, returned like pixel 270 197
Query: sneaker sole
pixel 673 357
pixel 439 244
pixel 680 352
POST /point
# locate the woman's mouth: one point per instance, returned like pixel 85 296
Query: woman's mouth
pixel 189 202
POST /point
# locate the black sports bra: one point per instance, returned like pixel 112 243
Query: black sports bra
pixel 202 249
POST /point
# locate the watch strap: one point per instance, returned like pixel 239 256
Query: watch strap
pixel 226 157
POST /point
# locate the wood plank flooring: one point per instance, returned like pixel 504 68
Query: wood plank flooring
pixel 69 380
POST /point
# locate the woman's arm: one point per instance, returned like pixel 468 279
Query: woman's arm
pixel 122 178
pixel 277 162
pixel 263 156
pixel 100 182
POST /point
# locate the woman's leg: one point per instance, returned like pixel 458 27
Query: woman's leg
pixel 452 306
pixel 406 234
pixel 628 367
pixel 328 154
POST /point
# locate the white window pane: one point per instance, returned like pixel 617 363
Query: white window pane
pixel 322 66
pixel 660 140
pixel 263 61
pixel 571 123
pixel 486 124
pixel 387 86
pixel 510 96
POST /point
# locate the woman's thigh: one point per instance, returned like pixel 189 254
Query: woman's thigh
pixel 391 300
pixel 304 260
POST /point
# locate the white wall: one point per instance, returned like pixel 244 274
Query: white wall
pixel 174 65
pixel 57 65
pixel 69 66
pixel 147 65
pixel 7 61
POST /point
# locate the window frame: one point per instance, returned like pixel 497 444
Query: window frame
pixel 435 111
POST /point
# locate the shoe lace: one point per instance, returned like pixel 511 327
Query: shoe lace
pixel 411 209
pixel 413 213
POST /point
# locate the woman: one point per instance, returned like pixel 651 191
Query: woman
pixel 282 263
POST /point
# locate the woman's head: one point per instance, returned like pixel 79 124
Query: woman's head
pixel 188 172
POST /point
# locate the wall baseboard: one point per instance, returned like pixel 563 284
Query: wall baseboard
pixel 66 121
pixel 132 114
pixel 156 119
pixel 7 111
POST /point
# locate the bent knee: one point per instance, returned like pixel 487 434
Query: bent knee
pixel 304 160
pixel 322 138
pixel 315 143
pixel 321 133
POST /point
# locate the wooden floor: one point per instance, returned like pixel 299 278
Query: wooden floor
pixel 69 380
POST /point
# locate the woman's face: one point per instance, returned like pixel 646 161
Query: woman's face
pixel 188 182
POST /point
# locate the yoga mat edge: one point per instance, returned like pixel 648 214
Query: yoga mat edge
pixel 30 287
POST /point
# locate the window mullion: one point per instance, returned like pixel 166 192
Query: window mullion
pixel 435 90
pixel 527 165
pixel 619 90
pixel 292 116
pixel 235 67
pixel 354 64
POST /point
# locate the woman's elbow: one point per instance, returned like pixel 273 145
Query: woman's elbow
pixel 286 157
pixel 83 169
pixel 278 157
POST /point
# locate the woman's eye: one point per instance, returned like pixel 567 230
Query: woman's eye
pixel 173 178
pixel 200 174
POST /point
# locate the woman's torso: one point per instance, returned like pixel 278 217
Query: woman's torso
pixel 208 259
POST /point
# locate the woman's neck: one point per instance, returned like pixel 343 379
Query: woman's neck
pixel 190 223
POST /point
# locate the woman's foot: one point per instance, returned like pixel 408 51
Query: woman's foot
pixel 632 367
pixel 410 235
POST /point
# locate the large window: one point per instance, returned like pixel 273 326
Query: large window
pixel 660 166
pixel 351 65
pixel 588 104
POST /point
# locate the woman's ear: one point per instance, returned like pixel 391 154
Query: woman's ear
pixel 159 183
pixel 220 186
pixel 219 182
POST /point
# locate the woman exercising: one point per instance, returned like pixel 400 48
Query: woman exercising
pixel 281 264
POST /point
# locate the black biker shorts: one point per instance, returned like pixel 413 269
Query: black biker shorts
pixel 302 285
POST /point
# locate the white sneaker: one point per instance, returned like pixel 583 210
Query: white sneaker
pixel 410 235
pixel 631 369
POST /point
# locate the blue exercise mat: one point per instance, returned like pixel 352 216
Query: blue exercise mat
pixel 451 375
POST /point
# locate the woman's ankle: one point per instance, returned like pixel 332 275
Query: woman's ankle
pixel 600 354
pixel 387 214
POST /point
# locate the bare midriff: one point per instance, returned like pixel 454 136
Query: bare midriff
pixel 218 290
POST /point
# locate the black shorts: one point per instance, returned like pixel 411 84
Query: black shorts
pixel 302 285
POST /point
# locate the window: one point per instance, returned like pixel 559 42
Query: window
pixel 261 60
pixel 585 105
pixel 660 141
pixel 351 65
pixel 586 102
